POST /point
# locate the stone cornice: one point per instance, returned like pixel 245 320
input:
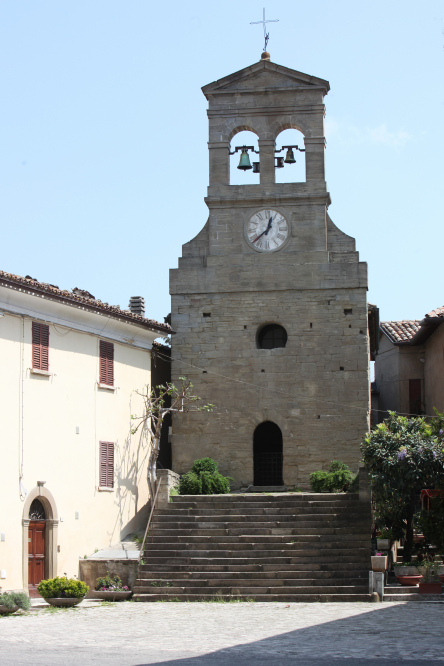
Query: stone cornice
pixel 244 111
pixel 269 200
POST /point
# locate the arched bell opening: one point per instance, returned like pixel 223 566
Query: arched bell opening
pixel 293 169
pixel 242 163
pixel 268 455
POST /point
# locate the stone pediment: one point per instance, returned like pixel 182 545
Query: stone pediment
pixel 264 75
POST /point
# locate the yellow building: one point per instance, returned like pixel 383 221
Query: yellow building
pixel 73 477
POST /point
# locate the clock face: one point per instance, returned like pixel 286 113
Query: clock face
pixel 266 231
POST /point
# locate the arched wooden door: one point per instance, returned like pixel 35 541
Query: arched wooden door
pixel 36 546
pixel 267 455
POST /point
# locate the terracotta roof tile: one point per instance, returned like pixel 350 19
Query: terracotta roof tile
pixel 79 297
pixel 439 312
pixel 400 331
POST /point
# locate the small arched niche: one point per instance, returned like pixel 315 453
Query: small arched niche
pixel 291 173
pixel 238 176
pixel 268 455
pixel 271 336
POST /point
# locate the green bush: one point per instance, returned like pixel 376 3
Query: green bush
pixel 190 484
pixel 403 456
pixel 105 583
pixel 13 599
pixel 204 479
pixel 432 525
pixel 338 479
pixel 204 465
pixel 61 587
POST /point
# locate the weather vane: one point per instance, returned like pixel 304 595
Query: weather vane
pixel 266 34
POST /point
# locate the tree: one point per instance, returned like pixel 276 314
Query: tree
pixel 402 457
pixel 182 401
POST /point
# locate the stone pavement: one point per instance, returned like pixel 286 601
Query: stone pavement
pixel 218 634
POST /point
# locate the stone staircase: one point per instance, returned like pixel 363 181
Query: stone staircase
pixel 285 547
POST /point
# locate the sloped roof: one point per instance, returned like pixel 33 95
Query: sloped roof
pixel 285 77
pixel 439 312
pixel 400 331
pixel 414 331
pixel 78 297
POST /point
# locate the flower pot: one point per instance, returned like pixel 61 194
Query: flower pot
pixel 383 544
pixel 64 601
pixel 405 571
pixel 430 588
pixel 111 595
pixel 4 610
pixel 379 563
pixel 409 580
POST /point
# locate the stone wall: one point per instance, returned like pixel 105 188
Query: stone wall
pixel 90 570
pixel 316 388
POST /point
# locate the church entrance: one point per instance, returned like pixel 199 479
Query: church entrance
pixel 267 455
pixel 36 546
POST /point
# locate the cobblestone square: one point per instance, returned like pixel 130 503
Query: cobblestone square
pixel 203 634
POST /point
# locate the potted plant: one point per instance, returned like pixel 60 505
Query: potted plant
pixel 10 602
pixel 61 591
pixel 430 582
pixel 407 573
pixel 112 588
pixel 379 562
pixel 384 539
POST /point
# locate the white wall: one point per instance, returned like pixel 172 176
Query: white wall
pixel 52 451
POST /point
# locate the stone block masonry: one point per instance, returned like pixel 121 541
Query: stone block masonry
pixel 315 388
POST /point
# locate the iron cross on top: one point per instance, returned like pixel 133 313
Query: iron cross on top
pixel 266 35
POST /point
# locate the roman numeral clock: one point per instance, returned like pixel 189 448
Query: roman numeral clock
pixel 266 231
pixel 269 300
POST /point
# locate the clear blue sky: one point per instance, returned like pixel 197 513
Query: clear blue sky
pixel 103 154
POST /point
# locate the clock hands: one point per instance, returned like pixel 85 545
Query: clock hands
pixel 266 230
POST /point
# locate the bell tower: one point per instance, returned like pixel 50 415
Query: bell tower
pixel 269 300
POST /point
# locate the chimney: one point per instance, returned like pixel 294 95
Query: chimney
pixel 137 305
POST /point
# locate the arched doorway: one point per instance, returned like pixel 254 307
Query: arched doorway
pixel 36 545
pixel 39 524
pixel 267 455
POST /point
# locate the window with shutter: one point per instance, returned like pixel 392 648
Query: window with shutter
pixel 106 465
pixel 106 363
pixel 40 345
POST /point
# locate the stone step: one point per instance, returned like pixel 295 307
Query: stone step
pixel 413 596
pixel 260 497
pixel 191 559
pixel 276 576
pixel 251 590
pixel 257 540
pixel 286 522
pixel 272 512
pixel 284 598
pixel 260 550
pixel 300 547
pixel 223 546
pixel 147 584
pixel 166 508
pixel 259 531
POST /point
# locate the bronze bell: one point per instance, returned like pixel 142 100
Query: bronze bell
pixel 244 162
pixel 279 162
pixel 256 167
pixel 289 158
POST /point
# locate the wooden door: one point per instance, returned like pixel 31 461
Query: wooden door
pixel 36 554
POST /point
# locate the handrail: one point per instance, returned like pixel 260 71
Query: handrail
pixel 149 520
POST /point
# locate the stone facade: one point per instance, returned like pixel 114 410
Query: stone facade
pixel 316 388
